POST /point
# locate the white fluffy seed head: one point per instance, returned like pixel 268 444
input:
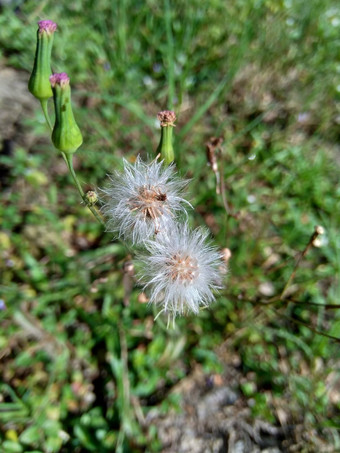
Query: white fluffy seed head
pixel 143 200
pixel 182 270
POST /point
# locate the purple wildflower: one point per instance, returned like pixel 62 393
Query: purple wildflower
pixel 47 25
pixel 61 79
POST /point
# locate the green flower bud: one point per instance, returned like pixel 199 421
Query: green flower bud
pixel 167 119
pixel 91 198
pixel 39 84
pixel 66 135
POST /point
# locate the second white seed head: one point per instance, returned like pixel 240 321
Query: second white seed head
pixel 182 270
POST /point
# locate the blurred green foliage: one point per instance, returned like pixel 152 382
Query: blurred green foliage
pixel 80 369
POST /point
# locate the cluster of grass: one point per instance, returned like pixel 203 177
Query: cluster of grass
pixel 82 360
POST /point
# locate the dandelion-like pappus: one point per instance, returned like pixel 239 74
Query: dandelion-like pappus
pixel 143 200
pixel 182 270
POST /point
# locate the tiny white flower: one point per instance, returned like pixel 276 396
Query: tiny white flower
pixel 182 270
pixel 143 200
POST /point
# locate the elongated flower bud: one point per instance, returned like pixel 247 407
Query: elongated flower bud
pixel 66 135
pixel 39 84
pixel 167 119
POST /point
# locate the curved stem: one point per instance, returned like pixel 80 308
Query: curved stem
pixel 43 103
pixel 93 209
pixel 298 261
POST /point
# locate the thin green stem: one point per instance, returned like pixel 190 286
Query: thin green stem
pixel 121 30
pixel 235 61
pixel 170 54
pixel 43 103
pixel 208 103
pixel 93 209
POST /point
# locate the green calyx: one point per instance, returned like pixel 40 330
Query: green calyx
pixel 167 119
pixel 39 84
pixel 66 135
pixel 165 147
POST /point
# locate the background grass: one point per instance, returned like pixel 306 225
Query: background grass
pixel 264 76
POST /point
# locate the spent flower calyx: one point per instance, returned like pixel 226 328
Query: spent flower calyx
pixel 166 118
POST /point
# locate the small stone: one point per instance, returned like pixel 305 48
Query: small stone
pixel 267 289
pixel 142 299
pixel 226 254
pixel 319 229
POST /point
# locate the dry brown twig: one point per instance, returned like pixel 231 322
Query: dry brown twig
pixel 213 148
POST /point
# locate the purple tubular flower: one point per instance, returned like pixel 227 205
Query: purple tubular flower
pixel 47 25
pixel 61 79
